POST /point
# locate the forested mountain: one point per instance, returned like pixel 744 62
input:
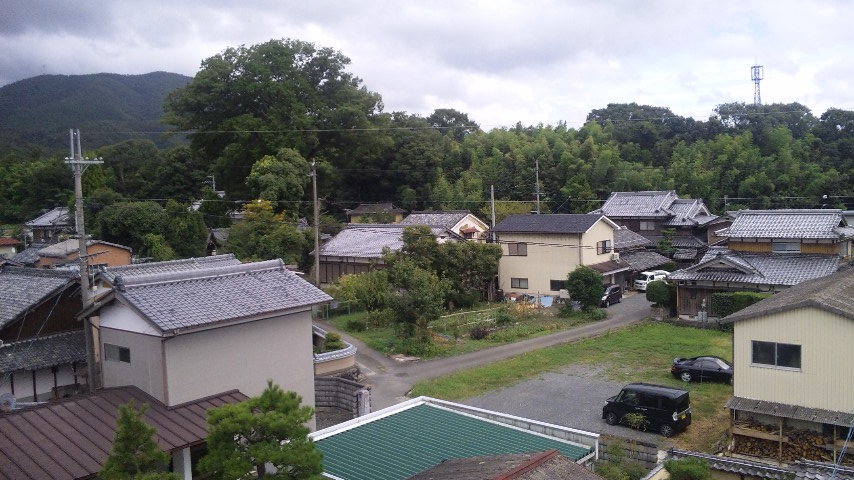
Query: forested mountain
pixel 260 116
pixel 38 112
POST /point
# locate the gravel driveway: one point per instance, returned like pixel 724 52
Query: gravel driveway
pixel 572 397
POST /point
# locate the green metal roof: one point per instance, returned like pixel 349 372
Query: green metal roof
pixel 406 442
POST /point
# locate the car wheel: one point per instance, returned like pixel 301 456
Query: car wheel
pixel 611 418
pixel 620 300
pixel 685 376
pixel 607 304
pixel 667 430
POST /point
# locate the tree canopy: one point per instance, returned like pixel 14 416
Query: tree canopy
pixel 262 437
pixel 585 286
pixel 135 454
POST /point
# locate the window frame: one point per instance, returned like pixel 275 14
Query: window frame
pixel 649 224
pixel 785 246
pixel 116 353
pixel 516 282
pixel 517 249
pixel 794 353
pixel 552 284
pixel 603 247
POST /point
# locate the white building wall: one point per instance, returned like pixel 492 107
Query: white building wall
pixel 145 369
pixel 23 382
pixel 242 357
pixel 823 380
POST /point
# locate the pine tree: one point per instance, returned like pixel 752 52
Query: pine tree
pixel 246 439
pixel 135 454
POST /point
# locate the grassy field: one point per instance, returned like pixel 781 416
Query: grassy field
pixel 644 352
pixel 451 334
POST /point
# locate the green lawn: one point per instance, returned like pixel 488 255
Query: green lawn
pixel 642 353
pixel 451 334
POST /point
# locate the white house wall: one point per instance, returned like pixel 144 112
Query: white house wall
pixel 244 357
pixel 145 369
pixel 600 231
pixel 23 382
pixel 824 379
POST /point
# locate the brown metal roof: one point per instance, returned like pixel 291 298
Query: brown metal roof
pixel 70 439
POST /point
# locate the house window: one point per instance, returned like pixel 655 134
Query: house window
pixel 603 247
pixel 785 247
pixel 557 285
pixel 115 353
pixel 519 283
pixel 776 354
pixel 517 249
pixel 647 226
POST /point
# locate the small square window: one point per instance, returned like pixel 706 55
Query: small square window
pixel 115 353
pixel 519 283
pixel 517 249
pixel 603 247
pixel 557 285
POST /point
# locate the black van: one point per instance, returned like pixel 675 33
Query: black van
pixel 664 409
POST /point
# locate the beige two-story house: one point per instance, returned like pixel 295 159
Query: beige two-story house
pixel 539 251
pixel 791 356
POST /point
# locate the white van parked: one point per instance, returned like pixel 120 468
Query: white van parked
pixel 649 276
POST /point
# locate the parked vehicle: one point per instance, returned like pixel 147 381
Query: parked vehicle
pixel 612 294
pixel 663 409
pixel 702 369
pixel 649 276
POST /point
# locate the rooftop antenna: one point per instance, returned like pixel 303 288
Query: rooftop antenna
pixel 757 73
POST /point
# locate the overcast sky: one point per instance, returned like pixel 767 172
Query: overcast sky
pixel 498 61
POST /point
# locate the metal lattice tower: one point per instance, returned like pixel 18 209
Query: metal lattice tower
pixel 757 73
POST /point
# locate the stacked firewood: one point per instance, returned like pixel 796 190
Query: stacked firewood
pixel 798 444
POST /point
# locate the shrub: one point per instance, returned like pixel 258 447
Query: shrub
pixel 380 318
pixel 636 421
pixel 333 342
pixel 688 469
pixel 478 333
pixel 660 293
pixel 355 325
pixel 585 286
pixel 598 314
pixel 503 317
pixel 727 303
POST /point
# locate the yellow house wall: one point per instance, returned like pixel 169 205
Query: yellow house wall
pixel 550 257
pixel 826 355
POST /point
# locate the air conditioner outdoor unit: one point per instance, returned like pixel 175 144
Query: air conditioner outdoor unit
pixel 615 256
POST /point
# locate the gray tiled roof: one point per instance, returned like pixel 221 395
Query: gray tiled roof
pixel 438 219
pixel 182 265
pixel 29 255
pixel 23 288
pixel 812 224
pixel 797 412
pixel 641 260
pixel 688 212
pixel 799 470
pixel 758 268
pixel 193 298
pixel 625 239
pixel 58 217
pixel 833 293
pixel 367 241
pixel 651 204
pixel 548 223
pixel 43 352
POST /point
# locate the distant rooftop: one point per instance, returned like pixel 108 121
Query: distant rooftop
pixel 56 218
pixel 368 240
pixel 182 265
pixel 23 288
pixel 794 224
pixel 548 223
pixel 723 265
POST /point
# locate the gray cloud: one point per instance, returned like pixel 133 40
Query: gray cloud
pixel 499 61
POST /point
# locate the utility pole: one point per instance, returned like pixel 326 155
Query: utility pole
pixel 538 186
pixel 316 225
pixel 78 166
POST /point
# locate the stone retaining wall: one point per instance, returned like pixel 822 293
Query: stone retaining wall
pixel 643 452
pixel 343 394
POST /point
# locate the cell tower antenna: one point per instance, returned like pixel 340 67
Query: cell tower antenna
pixel 757 73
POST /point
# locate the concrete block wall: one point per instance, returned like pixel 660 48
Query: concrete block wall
pixel 341 393
pixel 643 452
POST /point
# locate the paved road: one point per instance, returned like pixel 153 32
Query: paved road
pixel 391 380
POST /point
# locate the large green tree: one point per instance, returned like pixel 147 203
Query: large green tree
pixel 135 454
pixel 280 179
pixel 248 102
pixel 585 286
pixel 264 235
pixel 246 439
